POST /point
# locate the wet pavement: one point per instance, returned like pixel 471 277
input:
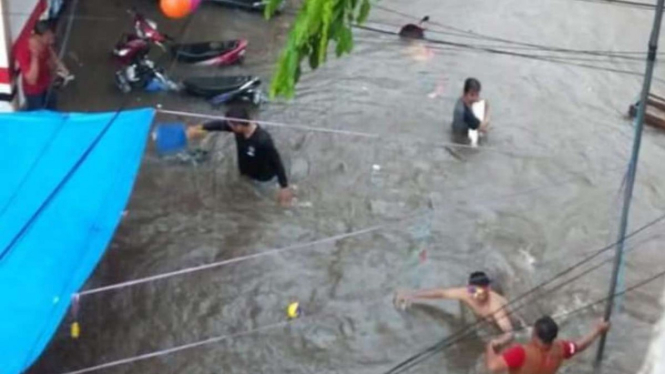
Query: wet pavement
pixel 539 195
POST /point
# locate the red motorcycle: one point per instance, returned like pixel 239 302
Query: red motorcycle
pixel 216 53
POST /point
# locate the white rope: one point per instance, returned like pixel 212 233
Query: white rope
pixel 369 303
pixel 179 348
pixel 342 132
pixel 270 123
pixel 320 241
pixel 269 252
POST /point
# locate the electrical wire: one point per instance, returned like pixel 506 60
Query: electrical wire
pixel 217 339
pixel 63 48
pixel 508 53
pixel 516 45
pixel 475 35
pixel 625 3
pixel 470 328
pixel 572 58
pixel 558 316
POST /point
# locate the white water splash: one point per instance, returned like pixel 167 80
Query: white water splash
pixel 655 360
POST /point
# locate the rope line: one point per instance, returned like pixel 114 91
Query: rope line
pixel 504 52
pixel 466 330
pixel 415 359
pixel 270 252
pixel 483 322
pixel 276 251
pixel 438 347
pixel 476 35
pixel 455 31
pixel 220 338
pixel 180 348
pixel 341 132
pixel 630 4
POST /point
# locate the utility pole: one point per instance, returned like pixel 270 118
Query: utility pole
pixel 632 171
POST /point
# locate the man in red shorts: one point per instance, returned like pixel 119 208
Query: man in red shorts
pixel 38 61
pixel 544 354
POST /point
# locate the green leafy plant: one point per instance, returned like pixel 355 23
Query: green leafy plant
pixel 316 24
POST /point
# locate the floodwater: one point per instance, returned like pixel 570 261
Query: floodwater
pixel 539 195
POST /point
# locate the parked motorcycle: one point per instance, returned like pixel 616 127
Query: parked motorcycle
pixel 214 53
pixel 139 72
pixel 143 74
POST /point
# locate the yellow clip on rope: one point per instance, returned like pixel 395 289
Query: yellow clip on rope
pixel 293 310
pixel 75 330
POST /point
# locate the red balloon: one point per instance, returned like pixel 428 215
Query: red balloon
pixel 176 8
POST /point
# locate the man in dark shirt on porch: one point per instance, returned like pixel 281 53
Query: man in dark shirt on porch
pixel 258 159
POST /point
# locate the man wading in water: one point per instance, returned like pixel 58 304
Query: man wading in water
pixel 258 158
pixel 465 123
pixel 478 296
pixel 544 354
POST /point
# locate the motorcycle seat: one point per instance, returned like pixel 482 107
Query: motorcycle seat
pixel 213 86
pixel 202 51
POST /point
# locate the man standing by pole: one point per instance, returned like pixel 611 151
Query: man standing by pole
pixel 38 61
pixel 632 171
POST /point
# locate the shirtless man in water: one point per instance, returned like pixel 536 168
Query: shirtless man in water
pixel 544 354
pixel 478 296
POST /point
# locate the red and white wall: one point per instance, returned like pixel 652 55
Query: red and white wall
pixel 18 19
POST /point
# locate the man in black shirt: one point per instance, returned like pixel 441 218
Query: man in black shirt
pixel 258 158
pixel 463 117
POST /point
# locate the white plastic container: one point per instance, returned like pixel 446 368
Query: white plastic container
pixel 478 109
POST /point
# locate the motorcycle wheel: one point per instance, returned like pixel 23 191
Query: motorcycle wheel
pixel 122 83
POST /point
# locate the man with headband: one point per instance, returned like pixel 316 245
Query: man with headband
pixel 477 295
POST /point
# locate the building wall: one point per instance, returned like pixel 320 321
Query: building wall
pixel 19 13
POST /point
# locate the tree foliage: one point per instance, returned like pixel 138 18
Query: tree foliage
pixel 317 23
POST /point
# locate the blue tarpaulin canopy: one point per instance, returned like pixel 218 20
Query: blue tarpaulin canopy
pixel 65 181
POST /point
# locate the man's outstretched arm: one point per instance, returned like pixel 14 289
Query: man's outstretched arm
pixel 494 361
pixel 503 321
pixel 431 294
pixel 202 129
pixel 584 343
